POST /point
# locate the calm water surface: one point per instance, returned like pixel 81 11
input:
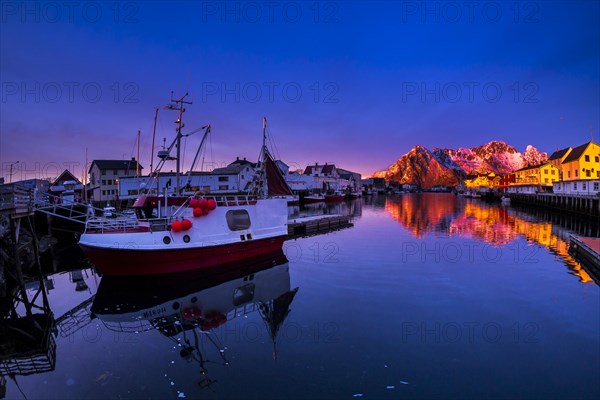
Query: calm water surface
pixel 427 296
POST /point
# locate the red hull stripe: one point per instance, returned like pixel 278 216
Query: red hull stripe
pixel 128 262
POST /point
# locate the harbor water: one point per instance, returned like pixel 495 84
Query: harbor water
pixel 426 296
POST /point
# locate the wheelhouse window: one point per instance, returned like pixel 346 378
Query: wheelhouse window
pixel 238 220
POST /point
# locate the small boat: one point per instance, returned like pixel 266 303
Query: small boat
pixel 505 200
pixel 335 197
pixel 313 198
pixel 109 212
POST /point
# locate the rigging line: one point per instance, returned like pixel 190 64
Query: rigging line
pixel 133 147
pixel 274 145
pixel 14 379
pixel 183 155
pixel 212 158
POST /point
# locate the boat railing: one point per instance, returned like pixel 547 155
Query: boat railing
pixel 242 310
pixel 232 200
pixel 102 224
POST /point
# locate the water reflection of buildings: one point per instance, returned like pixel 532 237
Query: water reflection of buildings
pixel 493 224
pixel 186 308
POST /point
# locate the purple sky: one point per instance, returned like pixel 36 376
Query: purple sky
pixel 358 83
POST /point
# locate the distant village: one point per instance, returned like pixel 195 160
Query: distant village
pixel 568 171
pixel 573 171
pixel 120 182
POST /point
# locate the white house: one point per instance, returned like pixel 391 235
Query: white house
pixel 234 178
pixel 524 189
pixel 589 187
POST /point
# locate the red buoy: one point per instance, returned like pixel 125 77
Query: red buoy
pixel 212 204
pixel 193 203
pixel 176 226
pixel 186 224
pixel 202 203
pixel 198 212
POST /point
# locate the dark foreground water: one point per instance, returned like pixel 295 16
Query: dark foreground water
pixel 427 296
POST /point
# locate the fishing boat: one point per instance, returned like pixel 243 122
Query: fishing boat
pixel 334 197
pixel 181 233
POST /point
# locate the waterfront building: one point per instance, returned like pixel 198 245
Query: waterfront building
pixel 583 162
pixel 541 175
pixel 588 187
pixel 490 180
pixel 105 176
pixel 68 185
pixel 558 157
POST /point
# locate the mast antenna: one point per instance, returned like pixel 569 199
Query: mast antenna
pixel 177 104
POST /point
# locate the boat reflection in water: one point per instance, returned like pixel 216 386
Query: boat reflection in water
pixel 187 307
pixel 445 214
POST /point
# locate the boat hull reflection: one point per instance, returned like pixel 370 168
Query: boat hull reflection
pixel 183 301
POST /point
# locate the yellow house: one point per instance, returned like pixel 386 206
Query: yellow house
pixel 543 175
pixel 558 157
pixel 583 162
pixel 491 181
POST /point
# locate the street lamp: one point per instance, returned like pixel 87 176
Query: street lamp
pixel 10 174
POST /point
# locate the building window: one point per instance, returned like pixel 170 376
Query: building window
pixel 552 172
pixel 584 186
pixel 588 173
pixel 109 182
pixel 103 182
pixel 587 158
pixel 223 187
pixel 546 180
pixel 576 173
pixel 223 179
pixel 115 172
pixel 545 172
pixel 104 193
pixel 574 185
pixel 596 186
pixel 597 159
pixel 237 220
pixel 568 174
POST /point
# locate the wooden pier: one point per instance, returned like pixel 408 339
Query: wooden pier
pixel 307 226
pixel 587 251
pixel 574 204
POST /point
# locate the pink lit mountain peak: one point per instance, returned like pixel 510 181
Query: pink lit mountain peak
pixel 427 168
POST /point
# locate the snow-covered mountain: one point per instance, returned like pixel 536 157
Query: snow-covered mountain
pixel 447 166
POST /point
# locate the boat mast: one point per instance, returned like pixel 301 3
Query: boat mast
pixel 263 166
pixel 178 105
pixel 153 136
pixel 137 163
